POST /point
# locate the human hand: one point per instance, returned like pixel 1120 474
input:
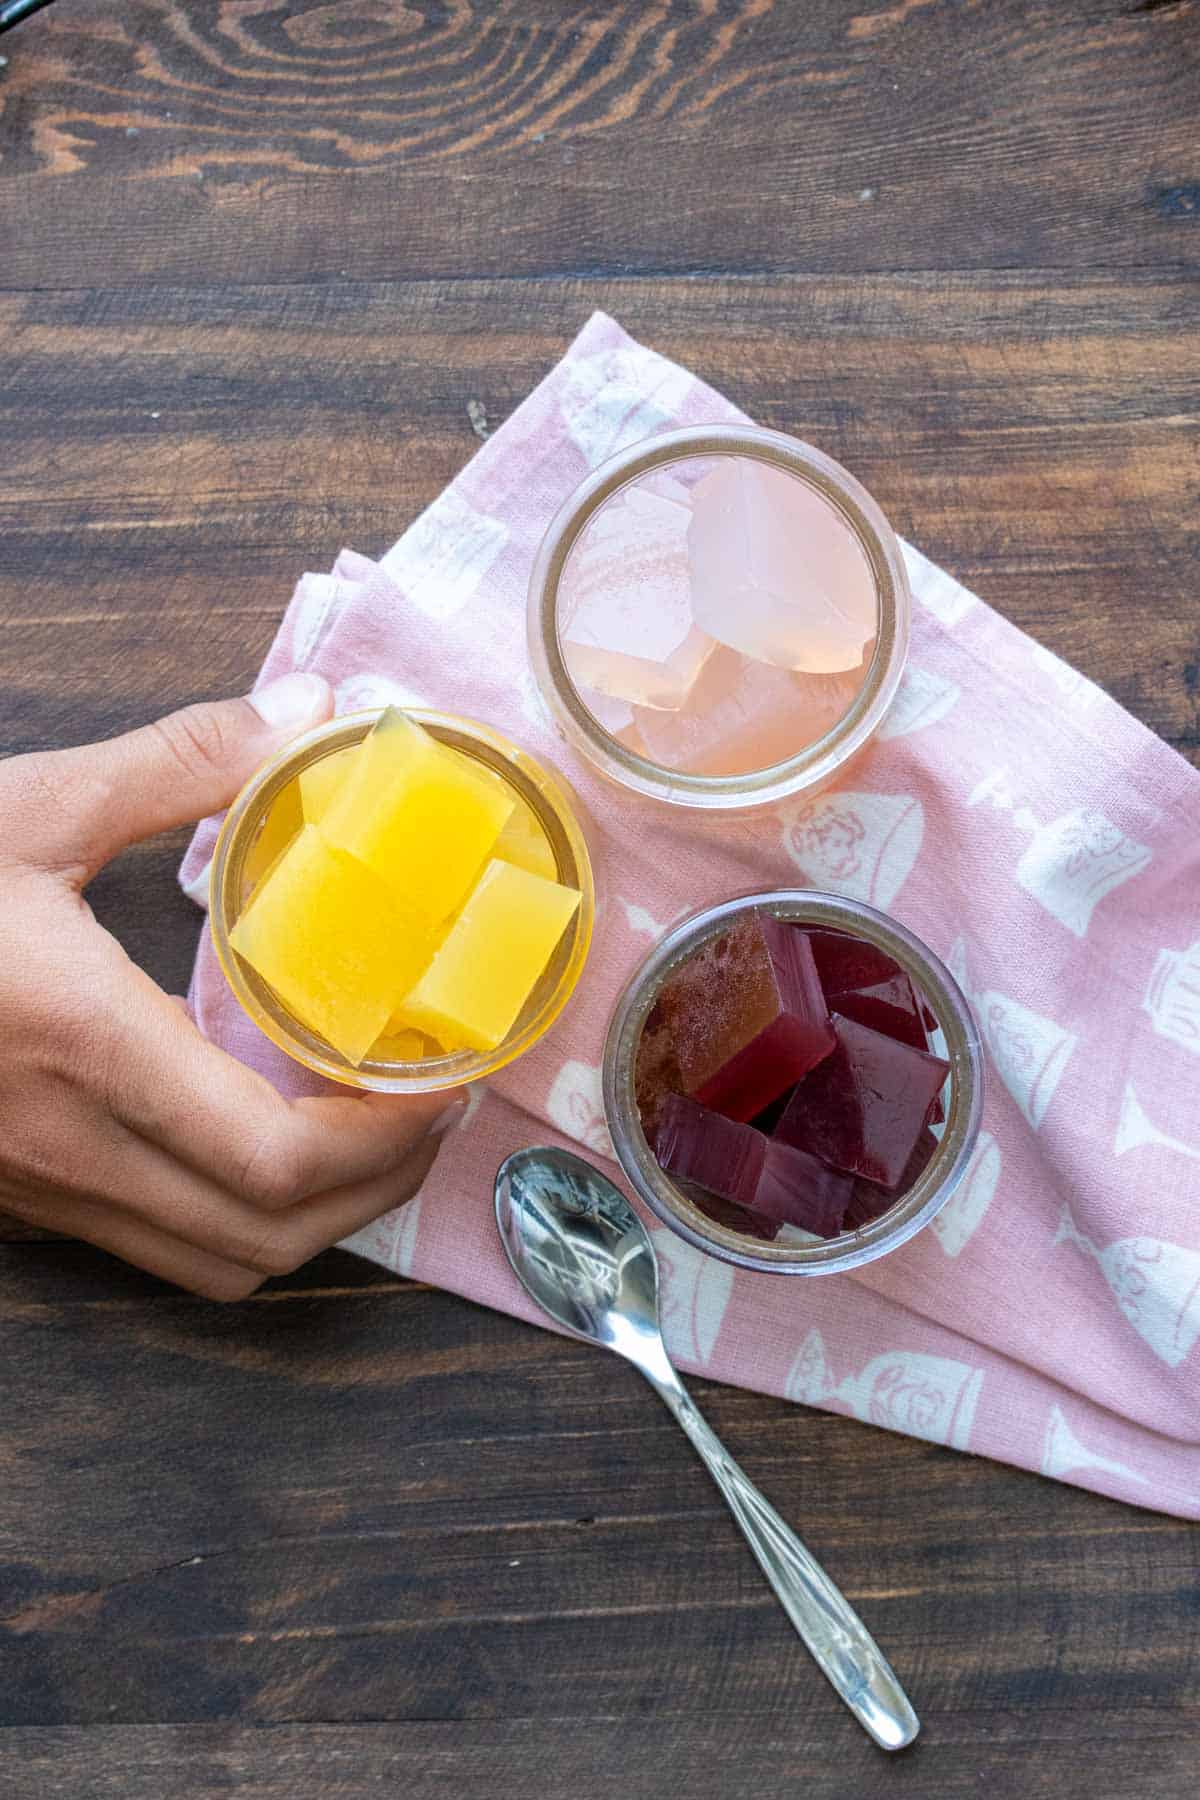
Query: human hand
pixel 119 1123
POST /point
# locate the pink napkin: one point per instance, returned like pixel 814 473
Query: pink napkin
pixel 1038 837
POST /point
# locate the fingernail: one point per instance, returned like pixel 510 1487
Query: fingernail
pixel 452 1117
pixel 292 700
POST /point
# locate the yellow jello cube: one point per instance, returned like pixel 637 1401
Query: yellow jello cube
pixel 477 983
pixel 276 832
pixel 320 781
pixel 333 941
pixel 524 844
pixel 423 819
pixel 404 1045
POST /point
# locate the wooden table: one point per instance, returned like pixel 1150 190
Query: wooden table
pixel 266 272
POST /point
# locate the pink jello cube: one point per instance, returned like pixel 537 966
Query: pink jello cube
pixel 748 1016
pixel 666 485
pixel 744 715
pixel 863 1108
pixel 777 571
pixel 698 1145
pixel 795 1189
pixel 863 983
pixel 625 600
pixel 616 716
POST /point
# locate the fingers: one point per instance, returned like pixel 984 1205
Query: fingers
pixel 78 808
pixel 198 1104
pixel 153 1211
pixel 134 1241
pixel 163 1193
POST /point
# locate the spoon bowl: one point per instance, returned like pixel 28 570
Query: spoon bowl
pixel 580 1250
pixel 576 1244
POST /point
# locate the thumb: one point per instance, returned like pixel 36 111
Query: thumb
pixel 106 796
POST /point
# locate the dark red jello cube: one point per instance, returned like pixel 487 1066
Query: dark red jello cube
pixel 795 1189
pixel 748 1016
pixel 772 1182
pixel 723 1212
pixel 863 1108
pixel 865 984
pixel 868 1200
pixel 766 1120
pixel 845 962
pixel 702 1146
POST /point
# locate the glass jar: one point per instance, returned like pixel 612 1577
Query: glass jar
pixel 850 505
pixel 958 1044
pixel 230 886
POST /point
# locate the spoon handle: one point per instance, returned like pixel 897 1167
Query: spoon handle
pixel 844 1649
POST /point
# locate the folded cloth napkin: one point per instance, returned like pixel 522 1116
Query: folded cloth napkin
pixel 1031 831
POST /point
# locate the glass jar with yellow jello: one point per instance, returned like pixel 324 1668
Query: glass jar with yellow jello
pixel 402 901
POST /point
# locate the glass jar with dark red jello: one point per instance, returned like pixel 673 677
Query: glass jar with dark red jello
pixel 793 1082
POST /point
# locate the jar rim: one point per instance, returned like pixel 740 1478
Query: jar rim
pixel 911 1211
pixel 816 762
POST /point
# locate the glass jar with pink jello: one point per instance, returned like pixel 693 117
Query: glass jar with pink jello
pixel 719 617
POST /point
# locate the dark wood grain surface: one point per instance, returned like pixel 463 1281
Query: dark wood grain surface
pixel 265 272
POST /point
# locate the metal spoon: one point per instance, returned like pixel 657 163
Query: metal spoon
pixel 579 1249
pixel 16 10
